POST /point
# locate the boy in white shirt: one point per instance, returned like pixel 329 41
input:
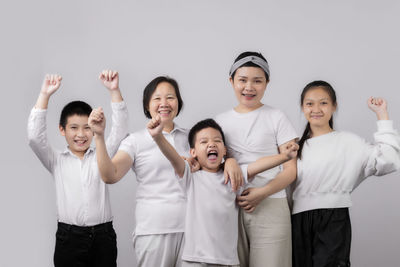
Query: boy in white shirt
pixel 85 234
pixel 212 214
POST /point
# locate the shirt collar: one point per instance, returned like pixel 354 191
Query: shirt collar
pixel 178 128
pixel 68 151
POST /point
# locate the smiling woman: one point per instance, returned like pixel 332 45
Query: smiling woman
pixel 160 200
pixel 254 130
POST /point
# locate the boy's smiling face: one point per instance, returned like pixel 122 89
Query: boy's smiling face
pixel 77 134
pixel 209 149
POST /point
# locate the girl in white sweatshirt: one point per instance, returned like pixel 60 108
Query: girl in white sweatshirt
pixel 330 166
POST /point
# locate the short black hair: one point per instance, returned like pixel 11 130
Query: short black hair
pixel 79 108
pixel 152 86
pixel 207 123
pixel 250 64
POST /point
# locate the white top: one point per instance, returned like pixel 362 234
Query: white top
pixel 160 200
pixel 211 231
pixel 82 196
pixel 334 164
pixel 250 136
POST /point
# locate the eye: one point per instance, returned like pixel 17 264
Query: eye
pixel 87 128
pixel 308 104
pixel 258 81
pixel 170 97
pixel 242 80
pixel 324 103
pixel 203 142
pixel 156 98
pixel 74 127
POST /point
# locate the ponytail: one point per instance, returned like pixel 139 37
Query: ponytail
pixel 306 135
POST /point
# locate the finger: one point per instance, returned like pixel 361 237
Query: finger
pixel 248 207
pixel 241 198
pixel 251 210
pixel 226 177
pixel 115 73
pixel 234 184
pixel 109 75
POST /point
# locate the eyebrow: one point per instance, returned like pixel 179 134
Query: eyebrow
pixel 258 77
pixel 308 99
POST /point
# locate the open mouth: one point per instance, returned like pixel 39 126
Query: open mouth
pixel 212 155
pixel 164 112
pixel 249 96
pixel 80 142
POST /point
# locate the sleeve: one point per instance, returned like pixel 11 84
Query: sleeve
pixel 129 146
pixel 37 138
pixel 383 157
pixel 187 177
pixel 285 130
pixel 119 127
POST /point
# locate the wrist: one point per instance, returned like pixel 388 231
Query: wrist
pixel 98 136
pixel 116 95
pixel 382 115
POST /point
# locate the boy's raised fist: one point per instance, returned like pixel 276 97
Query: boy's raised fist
pixel 51 83
pixel 110 79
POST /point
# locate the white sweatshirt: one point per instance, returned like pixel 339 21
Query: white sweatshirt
pixel 334 164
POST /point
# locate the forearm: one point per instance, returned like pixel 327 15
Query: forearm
pixel 282 180
pixel 382 115
pixel 170 153
pixel 42 101
pixel 106 166
pixel 119 127
pixel 116 96
pixel 265 163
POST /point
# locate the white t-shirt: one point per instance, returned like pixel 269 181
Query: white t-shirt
pixel 250 136
pixel 211 231
pixel 334 164
pixel 160 200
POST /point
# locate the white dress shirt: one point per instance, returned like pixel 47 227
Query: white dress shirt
pixel 82 196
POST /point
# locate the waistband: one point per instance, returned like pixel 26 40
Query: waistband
pixel 103 227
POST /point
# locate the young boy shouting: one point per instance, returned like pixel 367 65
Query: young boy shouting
pixel 212 214
pixel 85 234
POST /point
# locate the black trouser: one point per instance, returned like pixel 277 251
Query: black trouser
pixel 321 238
pixel 92 246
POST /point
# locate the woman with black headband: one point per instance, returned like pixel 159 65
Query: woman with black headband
pixel 253 130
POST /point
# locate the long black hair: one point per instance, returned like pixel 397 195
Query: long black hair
pixel 332 94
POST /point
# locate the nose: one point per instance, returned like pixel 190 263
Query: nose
pixel 211 144
pixel 164 102
pixel 81 132
pixel 316 108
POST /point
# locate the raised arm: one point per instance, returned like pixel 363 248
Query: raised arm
pixel 119 125
pixel 111 171
pixel 155 127
pixel 37 121
pixel 383 157
pixel 51 83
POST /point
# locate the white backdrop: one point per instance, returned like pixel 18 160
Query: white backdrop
pixel 354 45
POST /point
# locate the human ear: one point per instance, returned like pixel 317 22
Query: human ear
pixel 62 130
pixel 231 80
pixel 193 153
